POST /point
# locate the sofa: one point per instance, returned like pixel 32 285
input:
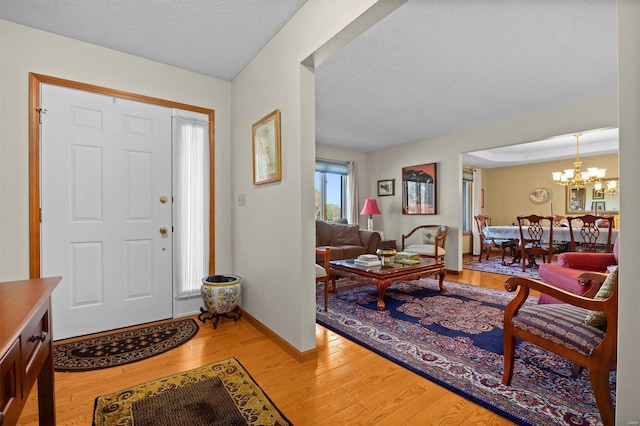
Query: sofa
pixel 564 274
pixel 345 240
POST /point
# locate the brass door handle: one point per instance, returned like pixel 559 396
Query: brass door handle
pixel 164 199
pixel 163 230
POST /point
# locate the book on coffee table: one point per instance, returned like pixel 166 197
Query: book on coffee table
pixel 367 263
pixel 368 257
pixel 408 261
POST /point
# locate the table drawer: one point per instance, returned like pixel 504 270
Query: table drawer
pixel 35 341
pixel 10 385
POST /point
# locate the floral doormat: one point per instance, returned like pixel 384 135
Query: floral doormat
pixel 223 393
pixel 495 266
pixel 455 340
pixel 122 346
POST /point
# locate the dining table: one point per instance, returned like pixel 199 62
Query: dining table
pixel 560 233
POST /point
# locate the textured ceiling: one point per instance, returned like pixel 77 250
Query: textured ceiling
pixel 212 37
pixel 429 68
pixel 438 66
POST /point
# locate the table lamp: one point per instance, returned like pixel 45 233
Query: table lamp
pixel 370 208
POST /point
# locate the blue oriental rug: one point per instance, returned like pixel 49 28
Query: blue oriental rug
pixel 455 340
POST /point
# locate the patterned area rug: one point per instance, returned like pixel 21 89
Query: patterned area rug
pixel 122 347
pixel 219 394
pixel 455 339
pixel 494 266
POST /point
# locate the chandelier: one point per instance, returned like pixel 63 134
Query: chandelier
pixel 578 178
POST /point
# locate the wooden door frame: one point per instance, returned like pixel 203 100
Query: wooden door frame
pixel 35 80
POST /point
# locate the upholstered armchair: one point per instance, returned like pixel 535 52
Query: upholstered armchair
pixel 582 329
pixel 431 244
pixel 570 265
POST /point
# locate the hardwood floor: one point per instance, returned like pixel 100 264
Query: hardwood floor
pixel 346 385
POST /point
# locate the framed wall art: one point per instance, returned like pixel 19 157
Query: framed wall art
pixel 597 194
pixel 386 187
pixel 419 189
pixel 267 162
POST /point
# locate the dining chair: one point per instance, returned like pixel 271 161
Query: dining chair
pixel 532 242
pixel 560 221
pixel 585 231
pixel 488 243
pixel 323 272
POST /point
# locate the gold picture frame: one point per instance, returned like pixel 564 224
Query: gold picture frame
pixel 267 159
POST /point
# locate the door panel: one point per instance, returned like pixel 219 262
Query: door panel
pixel 105 164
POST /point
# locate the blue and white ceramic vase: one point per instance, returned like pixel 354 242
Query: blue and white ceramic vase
pixel 220 293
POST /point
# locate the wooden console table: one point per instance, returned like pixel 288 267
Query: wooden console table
pixel 26 352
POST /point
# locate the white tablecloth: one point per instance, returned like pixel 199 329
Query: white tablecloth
pixel 559 233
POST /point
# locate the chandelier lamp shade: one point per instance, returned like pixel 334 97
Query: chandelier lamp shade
pixel 370 208
pixel 577 178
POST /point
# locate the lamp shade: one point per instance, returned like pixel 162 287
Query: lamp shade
pixel 370 207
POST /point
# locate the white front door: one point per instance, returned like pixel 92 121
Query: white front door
pixel 106 210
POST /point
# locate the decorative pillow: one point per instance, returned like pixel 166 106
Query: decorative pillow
pixel 598 318
pixel 345 235
pixel 430 234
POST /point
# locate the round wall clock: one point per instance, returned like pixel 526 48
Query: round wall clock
pixel 539 195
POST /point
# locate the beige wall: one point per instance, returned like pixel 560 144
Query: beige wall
pixel 506 189
pixel 274 232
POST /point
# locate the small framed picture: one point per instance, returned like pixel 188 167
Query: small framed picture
pixel 598 194
pixel 597 206
pixel 386 187
pixel 267 166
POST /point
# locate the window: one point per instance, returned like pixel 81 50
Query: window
pixel 330 183
pixel 467 201
pixel 191 205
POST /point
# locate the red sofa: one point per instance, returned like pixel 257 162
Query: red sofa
pixel 565 273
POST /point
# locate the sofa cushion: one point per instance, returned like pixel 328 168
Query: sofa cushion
pixel 345 235
pixel 323 233
pixel 598 318
pixel 352 252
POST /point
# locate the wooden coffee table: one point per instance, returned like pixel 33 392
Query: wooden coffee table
pixel 382 277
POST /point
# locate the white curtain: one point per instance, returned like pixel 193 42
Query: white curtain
pixel 477 208
pixel 191 201
pixel 353 209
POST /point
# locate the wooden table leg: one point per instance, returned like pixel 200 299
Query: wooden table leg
pixel 441 274
pixel 382 289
